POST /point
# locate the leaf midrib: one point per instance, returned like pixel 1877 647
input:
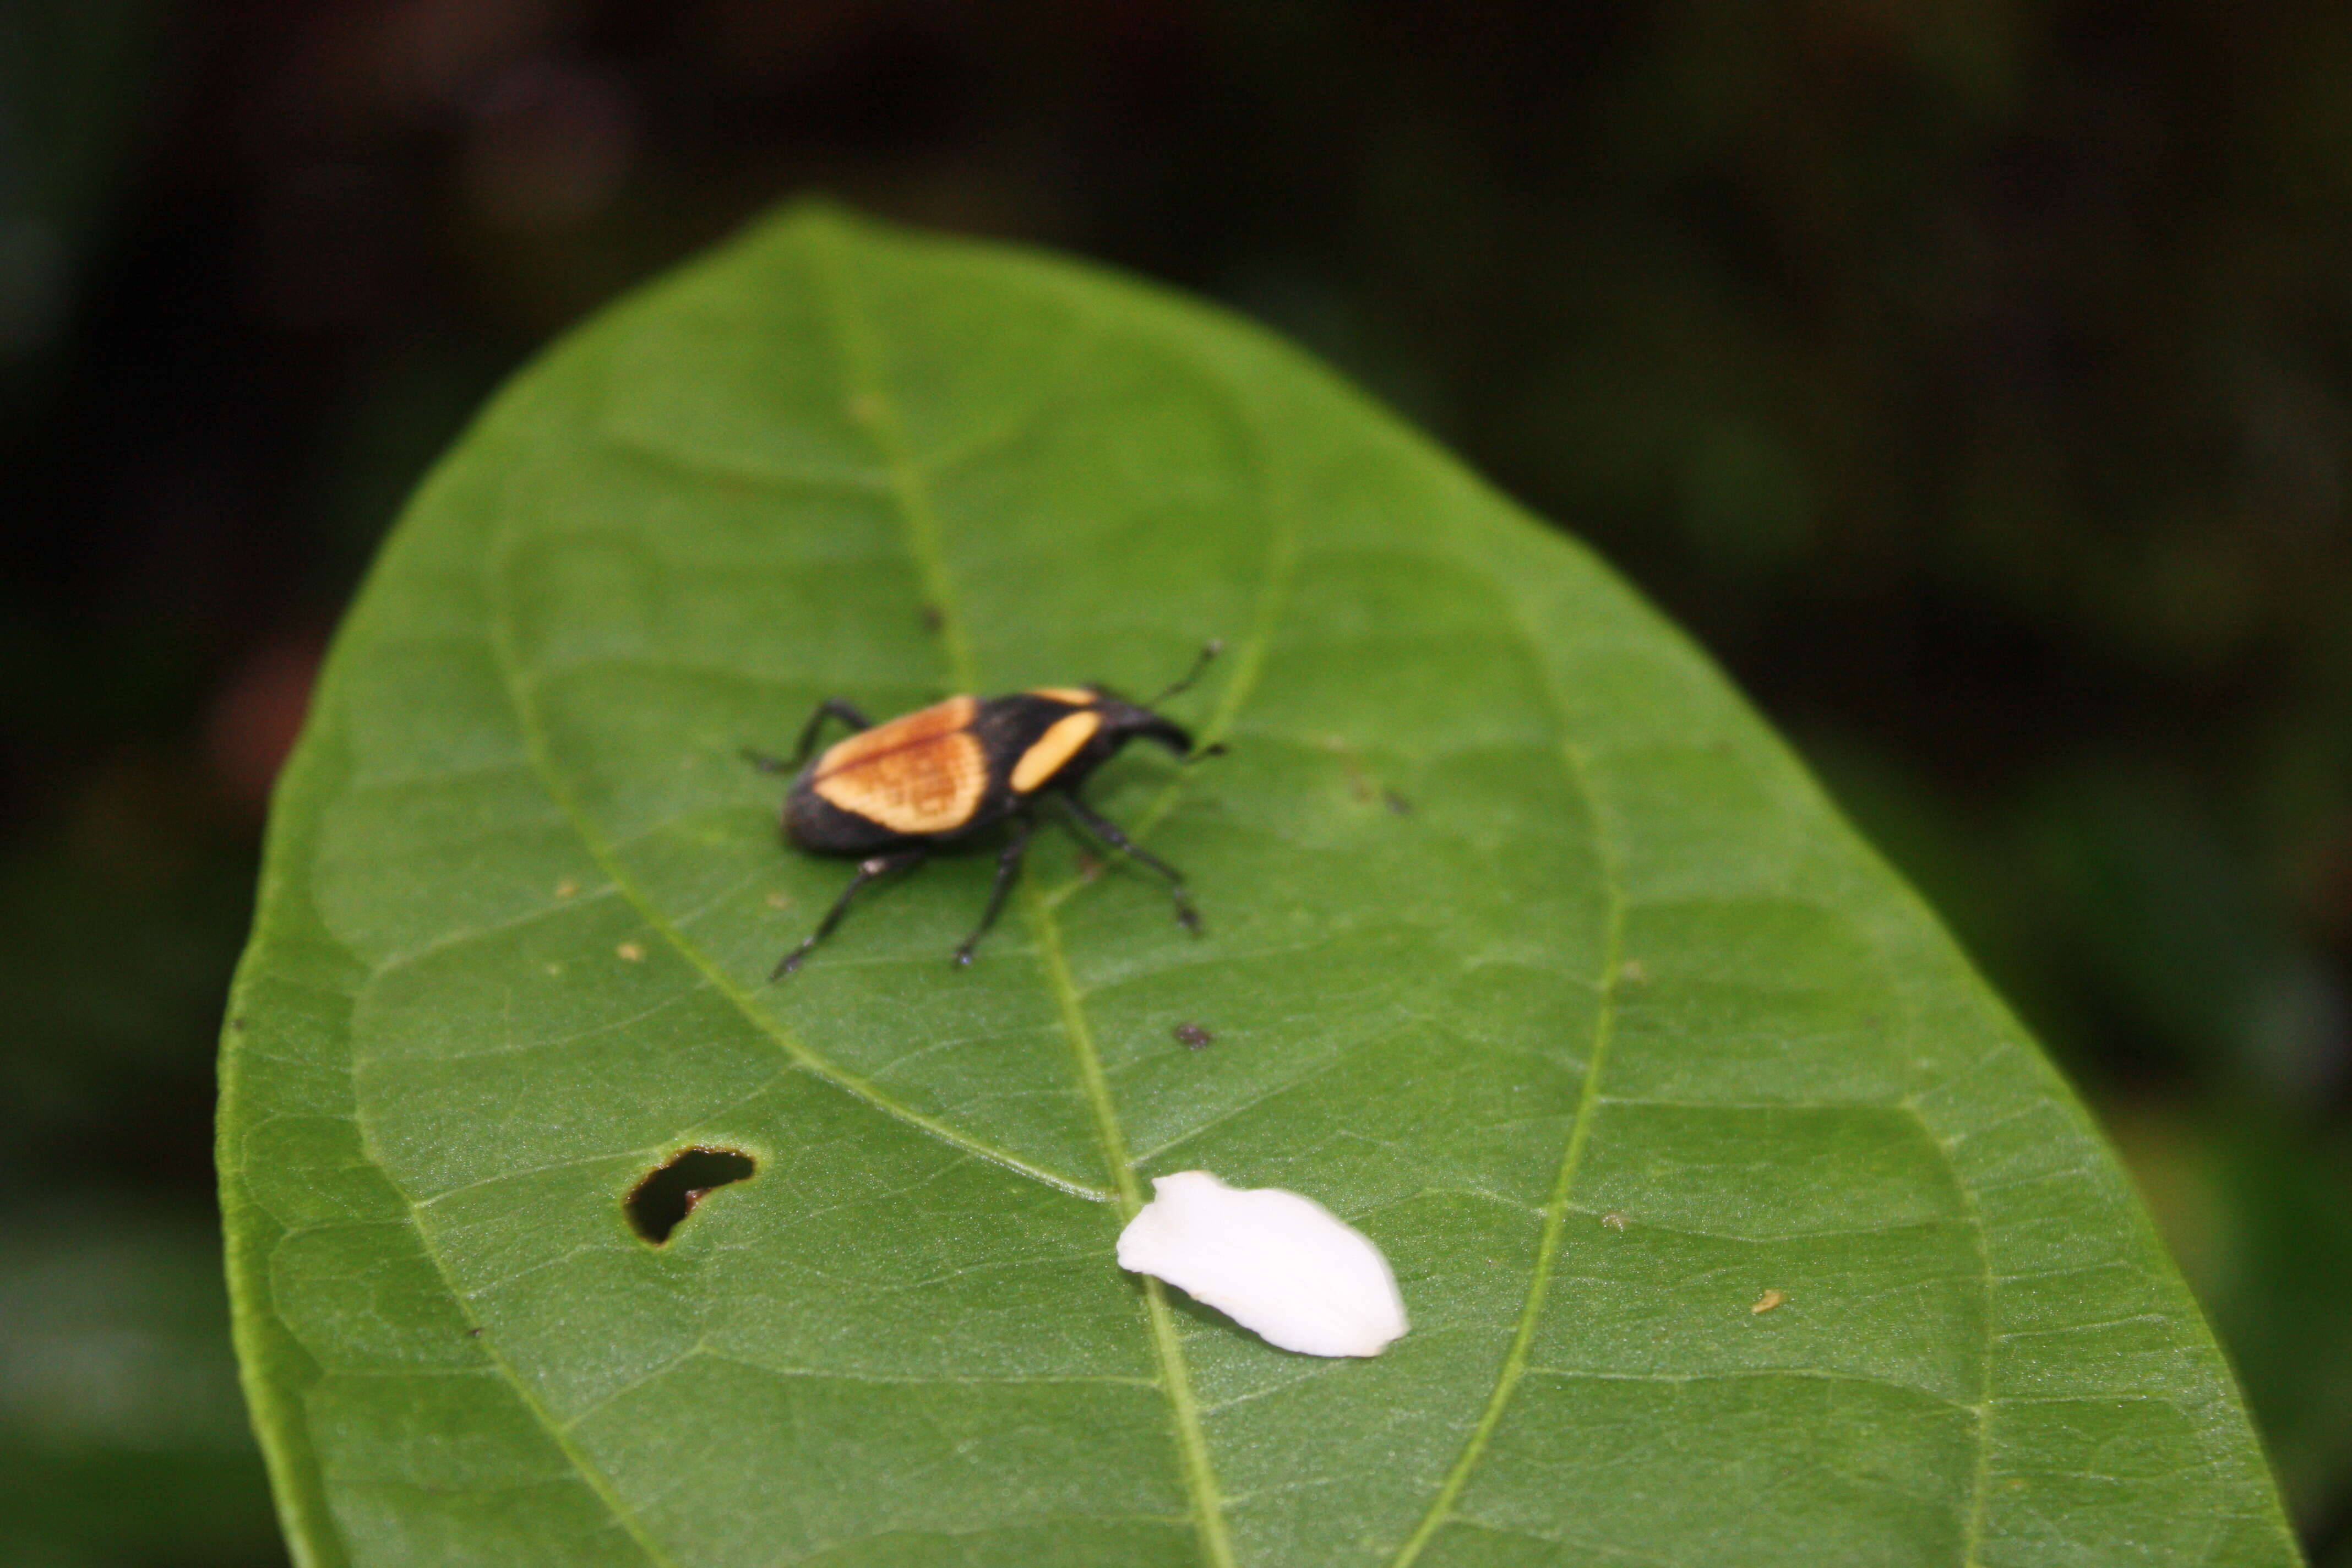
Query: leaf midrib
pixel 870 404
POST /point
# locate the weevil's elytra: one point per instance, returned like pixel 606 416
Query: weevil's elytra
pixel 889 793
pixel 923 774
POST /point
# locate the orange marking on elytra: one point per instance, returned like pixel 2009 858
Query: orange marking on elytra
pixel 921 772
pixel 1057 745
pixel 1076 695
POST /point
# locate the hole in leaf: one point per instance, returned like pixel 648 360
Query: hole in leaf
pixel 659 1203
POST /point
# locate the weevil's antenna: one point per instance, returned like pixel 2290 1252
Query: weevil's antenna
pixel 1215 647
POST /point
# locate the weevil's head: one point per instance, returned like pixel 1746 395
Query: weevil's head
pixel 1123 721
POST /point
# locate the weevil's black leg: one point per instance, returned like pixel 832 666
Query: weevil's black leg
pixel 769 762
pixel 839 709
pixel 1008 866
pixel 867 871
pixel 1108 832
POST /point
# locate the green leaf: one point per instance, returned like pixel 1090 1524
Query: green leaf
pixel 1529 952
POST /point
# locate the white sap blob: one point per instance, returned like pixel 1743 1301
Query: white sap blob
pixel 1275 1263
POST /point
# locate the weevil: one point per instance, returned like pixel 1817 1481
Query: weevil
pixel 890 794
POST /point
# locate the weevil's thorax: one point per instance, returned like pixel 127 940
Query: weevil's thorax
pixel 1034 739
pixel 1053 737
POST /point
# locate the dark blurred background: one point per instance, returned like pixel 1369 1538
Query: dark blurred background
pixel 1974 378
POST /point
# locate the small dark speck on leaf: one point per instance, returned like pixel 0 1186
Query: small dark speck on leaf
pixel 659 1203
pixel 475 1332
pixel 1398 806
pixel 1193 1036
pixel 1360 782
pixel 932 619
pixel 1090 866
pixel 237 1023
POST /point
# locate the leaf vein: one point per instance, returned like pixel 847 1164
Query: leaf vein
pixel 818 1067
pixel 1514 1360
